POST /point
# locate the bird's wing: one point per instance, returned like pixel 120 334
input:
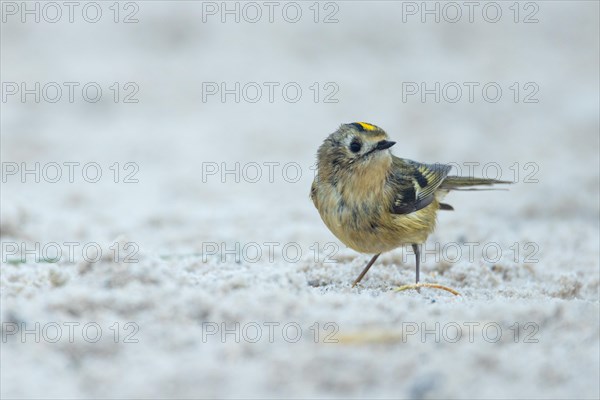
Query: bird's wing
pixel 414 184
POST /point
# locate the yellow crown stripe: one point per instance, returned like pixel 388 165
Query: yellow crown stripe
pixel 367 126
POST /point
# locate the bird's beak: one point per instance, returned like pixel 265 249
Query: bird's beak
pixel 384 144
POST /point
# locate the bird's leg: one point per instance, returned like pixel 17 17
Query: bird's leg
pixel 364 271
pixel 417 286
pixel 417 250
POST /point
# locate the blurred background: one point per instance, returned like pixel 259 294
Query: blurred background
pixel 203 119
pixel 358 62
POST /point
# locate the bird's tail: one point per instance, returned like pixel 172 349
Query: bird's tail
pixel 468 183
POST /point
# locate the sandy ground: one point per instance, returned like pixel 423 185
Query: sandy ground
pixel 227 284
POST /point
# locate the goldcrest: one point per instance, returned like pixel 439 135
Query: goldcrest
pixel 374 202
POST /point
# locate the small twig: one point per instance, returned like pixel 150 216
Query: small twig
pixel 417 286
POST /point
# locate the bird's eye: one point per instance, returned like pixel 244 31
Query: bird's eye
pixel 355 146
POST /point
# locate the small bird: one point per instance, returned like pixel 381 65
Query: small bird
pixel 374 202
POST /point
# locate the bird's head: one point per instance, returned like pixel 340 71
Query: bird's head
pixel 355 146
